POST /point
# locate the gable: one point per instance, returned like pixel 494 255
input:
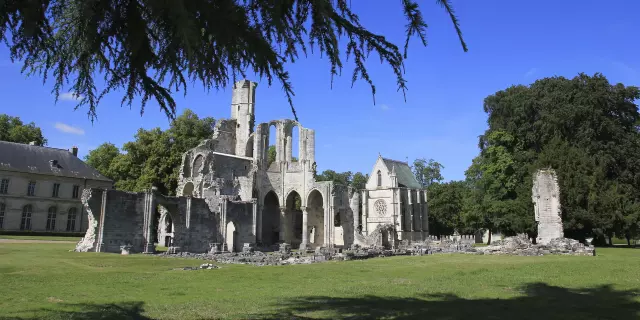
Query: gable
pixel 372 183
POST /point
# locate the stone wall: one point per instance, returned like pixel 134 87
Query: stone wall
pixel 546 199
pixel 125 218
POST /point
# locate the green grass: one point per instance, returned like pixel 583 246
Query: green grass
pixel 46 281
pixel 48 238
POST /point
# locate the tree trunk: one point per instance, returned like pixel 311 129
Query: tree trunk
pixel 610 241
pixel 628 240
pixel 489 240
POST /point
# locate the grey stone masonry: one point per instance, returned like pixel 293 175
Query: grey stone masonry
pixel 546 199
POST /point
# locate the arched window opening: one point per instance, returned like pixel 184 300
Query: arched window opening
pixel 379 178
pixel 295 144
pixel 272 150
pixel 197 166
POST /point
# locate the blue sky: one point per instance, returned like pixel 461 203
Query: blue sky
pixel 510 42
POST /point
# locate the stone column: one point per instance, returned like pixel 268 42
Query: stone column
pixel 410 207
pixel 283 225
pixel 365 211
pixel 259 223
pixel 254 207
pixel 311 146
pixel 305 231
pixel 149 213
pixel 288 149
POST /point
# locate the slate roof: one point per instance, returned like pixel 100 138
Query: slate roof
pixel 403 173
pixel 44 160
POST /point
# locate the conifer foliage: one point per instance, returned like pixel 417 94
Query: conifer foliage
pixel 153 48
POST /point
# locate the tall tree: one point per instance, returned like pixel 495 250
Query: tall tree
pixel 153 48
pixel 359 180
pixel 153 158
pixel 12 129
pixel 427 171
pixel 102 157
pixel 446 204
pixel 586 129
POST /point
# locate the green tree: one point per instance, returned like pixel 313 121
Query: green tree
pixel 12 129
pixel 359 180
pixel 586 129
pixel 427 171
pixel 102 157
pixel 153 48
pixel 154 157
pixel 446 203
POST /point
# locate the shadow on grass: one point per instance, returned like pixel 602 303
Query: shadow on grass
pixel 540 301
pixel 126 310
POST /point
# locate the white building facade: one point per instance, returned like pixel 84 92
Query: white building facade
pixel 40 188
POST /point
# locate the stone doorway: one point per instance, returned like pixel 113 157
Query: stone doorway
pixel 293 216
pixel 315 219
pixel 271 219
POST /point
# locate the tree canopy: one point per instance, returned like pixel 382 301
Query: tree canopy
pixel 154 157
pixel 427 171
pixel 151 49
pixel 587 130
pixel 12 129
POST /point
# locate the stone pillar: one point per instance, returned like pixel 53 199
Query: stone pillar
pixel 254 207
pixel 257 143
pixel 288 149
pixel 259 223
pixel 412 226
pixel 354 204
pixel 305 231
pixel 311 146
pixel 425 212
pixel 365 212
pixel 149 213
pixel 283 225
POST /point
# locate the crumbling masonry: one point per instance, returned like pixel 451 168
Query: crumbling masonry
pixel 231 197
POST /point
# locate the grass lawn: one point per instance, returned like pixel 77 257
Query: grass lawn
pixel 48 238
pixel 46 281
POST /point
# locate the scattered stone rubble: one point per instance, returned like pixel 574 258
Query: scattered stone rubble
pixel 522 246
pixel 519 245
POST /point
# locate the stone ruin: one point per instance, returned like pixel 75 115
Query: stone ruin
pixel 546 199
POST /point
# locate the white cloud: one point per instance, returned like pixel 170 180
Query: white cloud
pixel 384 107
pixel 68 129
pixel 531 72
pixel 70 96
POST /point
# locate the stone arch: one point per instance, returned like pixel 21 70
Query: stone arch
pixel 198 164
pixel 187 189
pixel 272 141
pixel 166 227
pixel 186 169
pixel 248 150
pixel 315 218
pixel 271 219
pixel 232 240
pixel 293 219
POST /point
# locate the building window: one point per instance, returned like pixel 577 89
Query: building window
pixel 25 223
pixel 4 186
pixel 56 190
pixel 51 219
pixel 71 219
pixel 3 208
pixel 76 192
pixel 31 189
pixel 379 178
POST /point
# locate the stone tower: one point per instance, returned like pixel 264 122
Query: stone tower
pixel 243 111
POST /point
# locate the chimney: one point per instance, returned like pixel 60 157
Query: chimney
pixel 74 150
